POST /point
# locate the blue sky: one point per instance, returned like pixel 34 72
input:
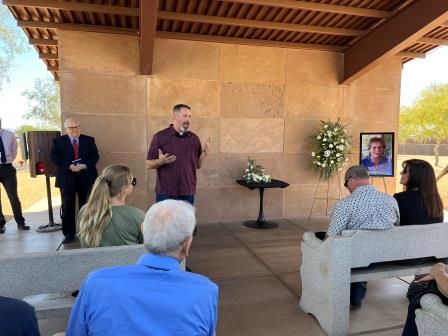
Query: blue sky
pixel 416 76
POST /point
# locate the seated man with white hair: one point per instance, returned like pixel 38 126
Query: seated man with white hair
pixel 153 297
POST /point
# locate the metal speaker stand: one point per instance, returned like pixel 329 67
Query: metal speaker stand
pixel 51 226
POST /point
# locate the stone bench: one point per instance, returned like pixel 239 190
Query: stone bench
pixel 46 280
pixel 432 318
pixel 328 266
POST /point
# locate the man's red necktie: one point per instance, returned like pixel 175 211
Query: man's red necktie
pixel 75 149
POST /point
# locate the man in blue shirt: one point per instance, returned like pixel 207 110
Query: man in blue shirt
pixel 153 297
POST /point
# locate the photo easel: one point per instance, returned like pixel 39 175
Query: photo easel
pixel 328 198
pixel 384 182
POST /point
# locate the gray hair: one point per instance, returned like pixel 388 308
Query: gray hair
pixel 166 226
pixel 70 120
pixel 357 173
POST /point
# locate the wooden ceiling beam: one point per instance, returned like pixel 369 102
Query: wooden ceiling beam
pixel 49 56
pixel 318 7
pixel 52 68
pixel 43 42
pixel 394 35
pixel 148 23
pixel 410 54
pixel 206 19
pixel 434 41
pixel 75 6
pixel 77 27
pixel 246 41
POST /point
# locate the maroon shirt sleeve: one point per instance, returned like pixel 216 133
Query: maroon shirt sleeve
pixel 200 149
pixel 153 152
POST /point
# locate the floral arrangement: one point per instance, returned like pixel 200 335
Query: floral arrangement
pixel 332 146
pixel 255 173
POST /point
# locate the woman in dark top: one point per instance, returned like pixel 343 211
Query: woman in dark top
pixel 420 202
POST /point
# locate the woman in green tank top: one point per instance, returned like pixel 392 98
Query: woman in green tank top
pixel 106 220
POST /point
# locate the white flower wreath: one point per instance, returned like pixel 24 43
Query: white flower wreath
pixel 332 147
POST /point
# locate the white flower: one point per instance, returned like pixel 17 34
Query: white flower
pixel 313 154
pixel 325 126
pixel 331 161
pixel 342 140
pixel 325 139
pixel 330 145
pixel 327 153
pixel 324 165
pixel 329 133
pixel 338 154
pixel 318 137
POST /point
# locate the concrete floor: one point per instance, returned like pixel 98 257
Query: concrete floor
pixel 258 275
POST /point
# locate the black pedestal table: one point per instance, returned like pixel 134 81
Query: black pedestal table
pixel 260 223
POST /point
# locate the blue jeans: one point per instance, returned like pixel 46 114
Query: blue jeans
pixel 357 292
pixel 187 198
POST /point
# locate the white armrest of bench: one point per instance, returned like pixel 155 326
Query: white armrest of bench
pixel 311 240
pixel 432 318
pixel 432 303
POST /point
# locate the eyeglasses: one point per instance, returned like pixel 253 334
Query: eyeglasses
pixel 346 182
pixel 72 127
pixel 134 182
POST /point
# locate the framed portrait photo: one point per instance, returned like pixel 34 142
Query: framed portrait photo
pixel 377 153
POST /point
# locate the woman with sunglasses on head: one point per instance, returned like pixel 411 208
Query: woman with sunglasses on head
pixel 106 220
pixel 420 202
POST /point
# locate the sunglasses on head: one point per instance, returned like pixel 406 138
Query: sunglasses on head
pixel 134 182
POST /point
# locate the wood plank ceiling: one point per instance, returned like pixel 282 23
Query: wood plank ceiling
pixel 333 25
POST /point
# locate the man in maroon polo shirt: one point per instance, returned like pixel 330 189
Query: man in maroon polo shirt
pixel 177 153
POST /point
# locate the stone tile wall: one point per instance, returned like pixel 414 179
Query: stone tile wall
pixel 260 102
pixel 101 87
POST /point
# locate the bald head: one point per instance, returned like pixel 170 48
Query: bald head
pixel 357 172
pixel 355 177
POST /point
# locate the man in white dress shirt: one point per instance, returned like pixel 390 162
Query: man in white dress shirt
pixel 8 177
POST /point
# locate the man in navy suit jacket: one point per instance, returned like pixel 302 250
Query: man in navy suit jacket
pixel 75 155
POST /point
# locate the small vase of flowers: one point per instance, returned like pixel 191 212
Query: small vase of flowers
pixel 255 173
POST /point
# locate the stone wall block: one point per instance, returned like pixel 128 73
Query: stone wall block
pixel 298 199
pixel 202 96
pixel 115 133
pixel 298 134
pixel 307 67
pixel 83 52
pixel 186 59
pixel 236 203
pixel 313 102
pixel 372 104
pixel 112 94
pixel 240 63
pixel 385 76
pixel 251 135
pixel 249 100
pixel 223 169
